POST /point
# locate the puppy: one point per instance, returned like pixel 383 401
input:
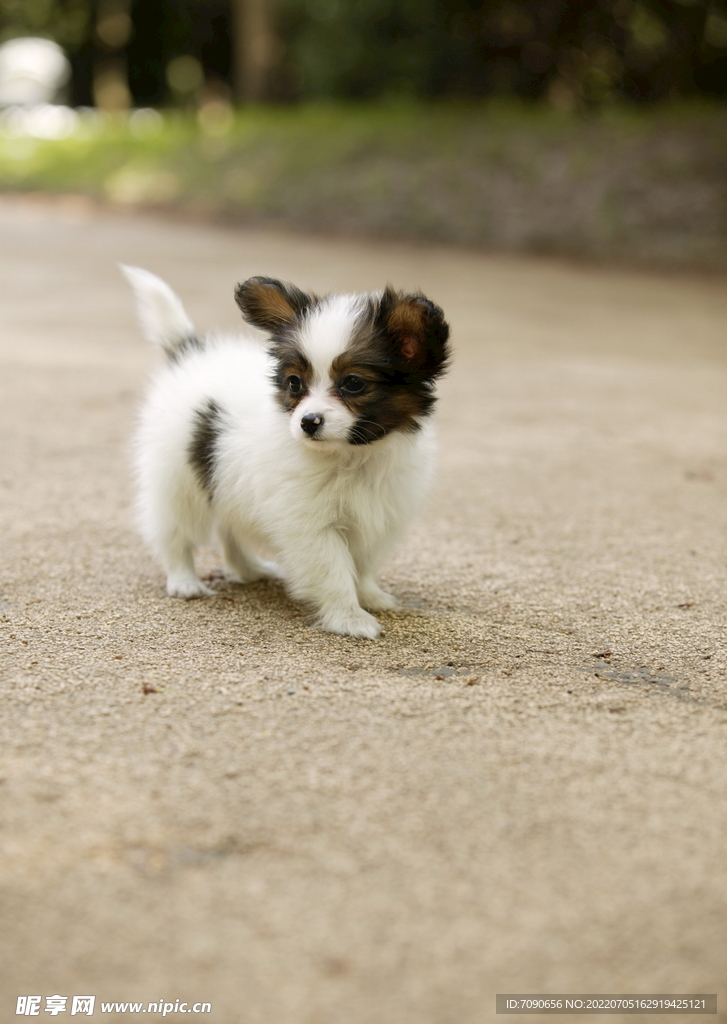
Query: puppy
pixel 315 450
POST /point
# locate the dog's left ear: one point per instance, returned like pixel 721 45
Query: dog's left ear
pixel 270 304
pixel 417 331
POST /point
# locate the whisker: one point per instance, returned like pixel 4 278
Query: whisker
pixel 362 423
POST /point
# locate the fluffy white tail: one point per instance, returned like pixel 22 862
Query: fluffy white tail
pixel 161 315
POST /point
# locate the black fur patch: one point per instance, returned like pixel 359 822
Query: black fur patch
pixel 202 446
pixel 400 347
pixel 184 347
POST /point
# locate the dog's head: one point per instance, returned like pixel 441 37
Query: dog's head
pixel 349 369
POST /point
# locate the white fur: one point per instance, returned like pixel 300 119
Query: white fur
pixel 325 333
pixel 161 315
pixel 327 511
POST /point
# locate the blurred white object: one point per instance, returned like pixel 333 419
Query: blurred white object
pixel 32 71
pixel 44 121
pixel 145 121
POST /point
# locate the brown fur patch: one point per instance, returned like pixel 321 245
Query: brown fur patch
pixel 406 320
pixel 290 360
pixel 382 406
pixel 399 348
pixel 271 305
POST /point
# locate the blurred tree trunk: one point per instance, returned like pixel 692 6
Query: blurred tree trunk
pixel 676 74
pixel 254 49
pixel 77 38
pixel 112 33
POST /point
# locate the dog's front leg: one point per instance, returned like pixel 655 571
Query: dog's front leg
pixel 371 595
pixel 368 552
pixel 319 568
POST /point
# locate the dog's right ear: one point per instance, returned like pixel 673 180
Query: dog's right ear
pixel 270 304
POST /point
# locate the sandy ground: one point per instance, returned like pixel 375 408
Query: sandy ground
pixel 519 788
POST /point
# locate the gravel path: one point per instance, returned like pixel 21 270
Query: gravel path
pixel 519 788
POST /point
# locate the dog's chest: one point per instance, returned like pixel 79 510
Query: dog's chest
pixel 367 496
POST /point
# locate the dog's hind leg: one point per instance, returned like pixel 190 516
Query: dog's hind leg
pixel 242 566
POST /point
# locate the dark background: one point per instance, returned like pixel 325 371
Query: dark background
pixel 573 53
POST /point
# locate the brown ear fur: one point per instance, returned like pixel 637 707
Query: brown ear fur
pixel 269 304
pixel 418 330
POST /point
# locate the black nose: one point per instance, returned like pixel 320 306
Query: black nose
pixel 311 422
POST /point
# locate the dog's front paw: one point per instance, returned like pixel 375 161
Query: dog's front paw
pixel 351 622
pixel 187 587
pixel 372 596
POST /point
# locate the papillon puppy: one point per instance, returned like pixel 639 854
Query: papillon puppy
pixel 314 450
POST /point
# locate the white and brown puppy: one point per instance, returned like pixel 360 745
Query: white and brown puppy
pixel 315 450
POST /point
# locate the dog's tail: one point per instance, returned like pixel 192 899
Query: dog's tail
pixel 161 315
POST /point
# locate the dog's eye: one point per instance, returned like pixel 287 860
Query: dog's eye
pixel 295 384
pixel 352 384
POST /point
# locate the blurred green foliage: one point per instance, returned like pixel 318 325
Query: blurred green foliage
pixel 576 53
pixel 623 183
pixel 69 22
